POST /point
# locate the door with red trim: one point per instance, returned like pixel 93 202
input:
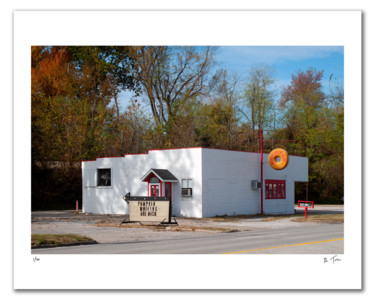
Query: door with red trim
pixel 155 190
pixel 154 187
pixel 168 190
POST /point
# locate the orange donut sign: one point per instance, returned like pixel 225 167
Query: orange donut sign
pixel 278 159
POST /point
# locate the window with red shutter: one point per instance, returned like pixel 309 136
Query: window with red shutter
pixel 275 189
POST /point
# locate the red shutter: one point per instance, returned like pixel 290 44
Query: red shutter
pixel 275 189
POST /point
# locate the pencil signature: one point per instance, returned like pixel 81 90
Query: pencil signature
pixel 36 259
pixel 333 259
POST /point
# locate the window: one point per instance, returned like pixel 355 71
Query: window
pixel 104 177
pixel 187 183
pixel 154 180
pixel 275 189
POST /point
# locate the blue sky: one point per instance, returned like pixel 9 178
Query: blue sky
pixel 285 61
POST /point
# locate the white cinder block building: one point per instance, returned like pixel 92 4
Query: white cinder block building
pixel 201 182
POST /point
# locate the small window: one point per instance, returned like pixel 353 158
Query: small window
pixel 187 183
pixel 104 177
pixel 275 189
pixel 154 180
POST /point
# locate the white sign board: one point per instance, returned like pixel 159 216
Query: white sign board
pixel 148 210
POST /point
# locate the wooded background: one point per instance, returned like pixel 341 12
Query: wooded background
pixel 181 98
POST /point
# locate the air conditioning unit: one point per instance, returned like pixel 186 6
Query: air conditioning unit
pixel 255 184
pixel 186 192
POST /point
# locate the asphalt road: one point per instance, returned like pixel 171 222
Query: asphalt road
pixel 322 239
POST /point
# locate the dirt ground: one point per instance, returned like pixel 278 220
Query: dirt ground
pixel 107 228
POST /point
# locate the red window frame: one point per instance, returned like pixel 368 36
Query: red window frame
pixel 274 189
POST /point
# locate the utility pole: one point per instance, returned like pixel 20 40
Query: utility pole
pixel 261 165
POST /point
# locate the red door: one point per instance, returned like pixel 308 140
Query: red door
pixel 154 190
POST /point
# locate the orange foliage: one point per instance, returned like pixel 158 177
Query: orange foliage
pixel 305 86
pixel 49 69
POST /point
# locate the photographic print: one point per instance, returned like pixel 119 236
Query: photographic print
pixel 210 145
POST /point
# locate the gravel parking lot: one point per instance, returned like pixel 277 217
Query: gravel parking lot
pixel 107 228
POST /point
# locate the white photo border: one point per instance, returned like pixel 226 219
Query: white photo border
pixel 265 28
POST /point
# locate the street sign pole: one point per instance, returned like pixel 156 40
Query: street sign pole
pixel 306 205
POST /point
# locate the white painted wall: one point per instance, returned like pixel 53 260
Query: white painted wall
pixel 227 179
pixel 296 171
pixel 103 200
pixel 226 182
pixel 182 163
pixel 221 181
pixel 127 172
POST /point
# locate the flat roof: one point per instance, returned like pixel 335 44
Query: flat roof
pixel 185 148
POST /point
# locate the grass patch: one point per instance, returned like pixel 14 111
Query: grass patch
pixel 326 218
pixel 39 240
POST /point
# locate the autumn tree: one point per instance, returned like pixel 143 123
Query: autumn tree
pixel 73 114
pixel 49 82
pixel 169 75
pixel 303 102
pixel 131 133
pixel 317 126
pixel 104 71
pixel 112 65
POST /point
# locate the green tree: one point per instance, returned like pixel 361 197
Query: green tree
pixel 73 89
pixel 49 82
pixel 259 102
pixel 217 126
pixel 303 102
pixel 216 119
pixel 317 126
pixel 112 65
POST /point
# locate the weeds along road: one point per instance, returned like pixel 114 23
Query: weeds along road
pixel 318 239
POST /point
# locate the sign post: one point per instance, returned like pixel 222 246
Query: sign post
pixel 306 205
